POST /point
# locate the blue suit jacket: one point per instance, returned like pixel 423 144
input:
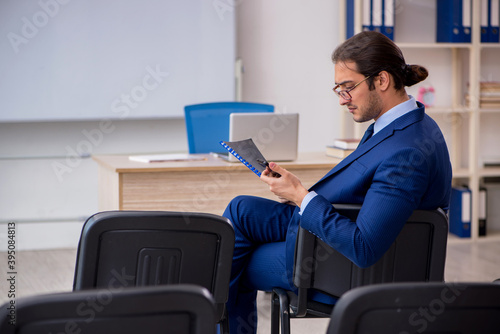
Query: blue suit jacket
pixel 403 167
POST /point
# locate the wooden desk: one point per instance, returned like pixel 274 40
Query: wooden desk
pixel 201 186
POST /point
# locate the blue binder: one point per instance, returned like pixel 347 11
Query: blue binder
pixel 388 18
pixel 485 18
pixel 493 21
pixel 489 21
pixel 378 15
pixel 482 214
pixel 460 212
pixel 453 21
pixel 349 28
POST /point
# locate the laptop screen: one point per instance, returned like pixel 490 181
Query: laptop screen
pixel 276 135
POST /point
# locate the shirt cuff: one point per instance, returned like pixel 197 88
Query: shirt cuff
pixel 306 201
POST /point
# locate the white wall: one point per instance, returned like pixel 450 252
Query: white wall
pixel 286 48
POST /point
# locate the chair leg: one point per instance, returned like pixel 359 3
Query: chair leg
pixel 275 309
pixel 224 326
pixel 280 312
pixel 224 323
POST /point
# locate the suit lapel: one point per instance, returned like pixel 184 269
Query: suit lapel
pixel 388 131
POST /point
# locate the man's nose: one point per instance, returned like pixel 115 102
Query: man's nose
pixel 343 101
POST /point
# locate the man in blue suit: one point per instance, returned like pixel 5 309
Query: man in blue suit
pixel 401 164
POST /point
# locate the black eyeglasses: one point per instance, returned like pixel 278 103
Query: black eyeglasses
pixel 345 93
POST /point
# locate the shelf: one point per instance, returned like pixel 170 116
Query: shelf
pixel 489 110
pixel 434 45
pixel 446 45
pixel 461 173
pixel 489 172
pixel 490 45
pixel 460 110
pixel 447 110
pixel 483 172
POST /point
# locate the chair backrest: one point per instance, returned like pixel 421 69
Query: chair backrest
pixel 418 254
pixel 138 248
pixel 208 123
pixel 146 310
pixel 460 308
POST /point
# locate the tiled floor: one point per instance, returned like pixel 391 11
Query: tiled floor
pixel 52 271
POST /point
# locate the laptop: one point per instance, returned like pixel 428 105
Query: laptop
pixel 276 135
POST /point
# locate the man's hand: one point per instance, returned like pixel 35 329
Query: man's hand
pixel 287 187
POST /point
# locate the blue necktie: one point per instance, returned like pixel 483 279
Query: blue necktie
pixel 368 134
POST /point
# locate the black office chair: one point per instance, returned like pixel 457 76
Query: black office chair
pixel 139 248
pixel 459 308
pixel 418 254
pixel 163 309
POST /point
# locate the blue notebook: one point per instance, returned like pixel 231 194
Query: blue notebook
pixel 247 152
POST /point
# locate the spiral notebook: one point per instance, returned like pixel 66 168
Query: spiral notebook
pixel 247 152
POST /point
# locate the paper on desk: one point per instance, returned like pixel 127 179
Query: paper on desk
pixel 166 157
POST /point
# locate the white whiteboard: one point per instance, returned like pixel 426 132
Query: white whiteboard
pixel 113 59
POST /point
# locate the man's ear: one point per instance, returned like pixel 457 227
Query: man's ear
pixel 384 80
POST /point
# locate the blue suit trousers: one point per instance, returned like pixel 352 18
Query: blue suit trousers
pixel 259 260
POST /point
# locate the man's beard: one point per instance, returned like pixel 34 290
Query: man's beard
pixel 371 110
